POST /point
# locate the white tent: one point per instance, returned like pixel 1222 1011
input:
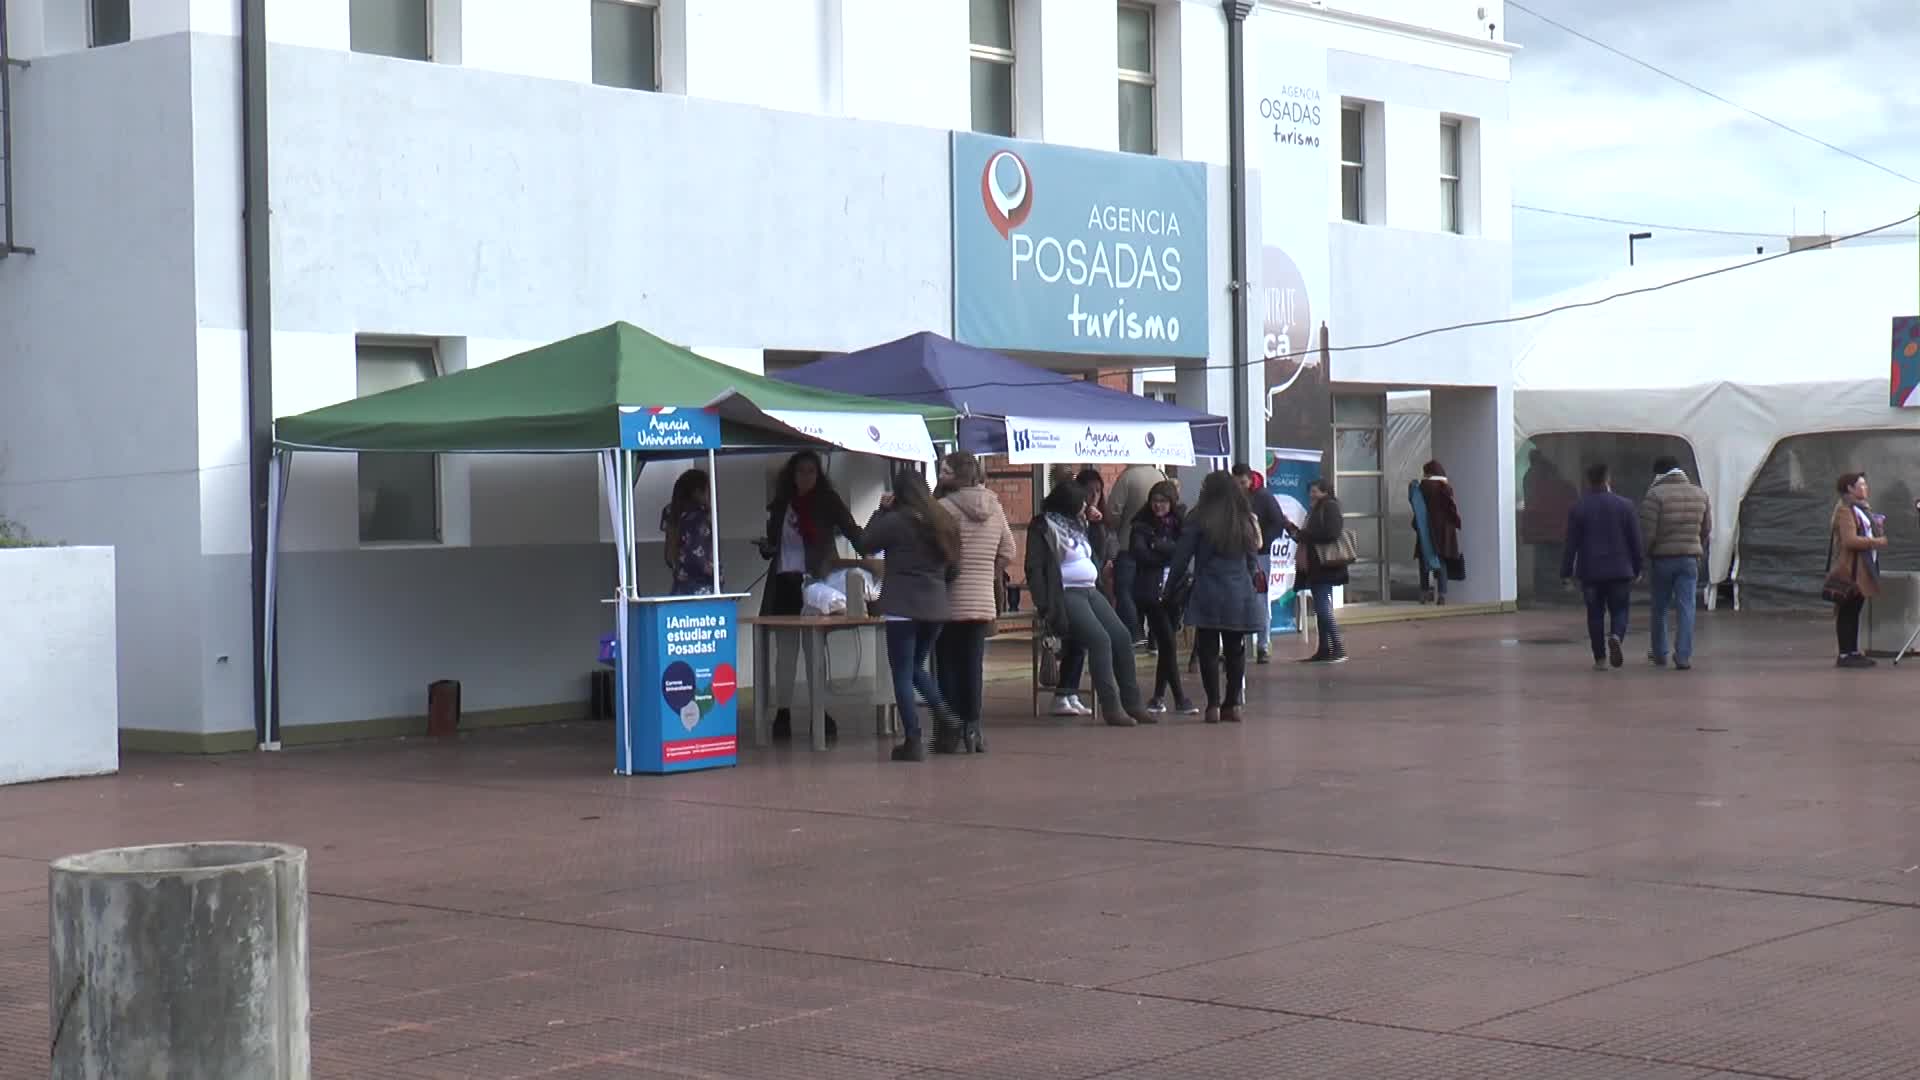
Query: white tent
pixel 1732 364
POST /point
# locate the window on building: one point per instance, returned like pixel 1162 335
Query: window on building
pixel 626 43
pixel 1136 79
pixel 399 28
pixel 1450 217
pixel 399 493
pixel 1353 162
pixel 991 53
pixel 108 22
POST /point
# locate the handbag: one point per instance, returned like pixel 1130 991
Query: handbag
pixel 1339 553
pixel 1456 568
pixel 1839 587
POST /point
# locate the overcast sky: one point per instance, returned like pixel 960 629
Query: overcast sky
pixel 1597 134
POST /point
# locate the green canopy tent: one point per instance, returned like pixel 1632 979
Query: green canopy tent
pixel 570 397
pixel 567 397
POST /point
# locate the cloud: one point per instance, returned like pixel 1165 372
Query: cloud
pixel 1598 134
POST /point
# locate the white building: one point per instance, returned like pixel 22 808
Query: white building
pixel 451 181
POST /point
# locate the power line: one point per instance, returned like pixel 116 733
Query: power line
pixel 1702 276
pixel 1696 87
pixel 1647 224
pixel 1775 235
pixel 1480 323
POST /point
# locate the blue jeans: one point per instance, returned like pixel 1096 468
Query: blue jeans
pixel 1607 603
pixel 1676 585
pixel 1330 643
pixel 908 644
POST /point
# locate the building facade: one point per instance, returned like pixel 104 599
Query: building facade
pixel 453 181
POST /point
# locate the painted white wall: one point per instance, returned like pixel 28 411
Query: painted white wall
pixel 899 63
pixel 57 618
pixel 1079 72
pixel 770 53
pixel 1473 428
pixel 1412 167
pixel 1457 17
pixel 1193 82
pixel 1401 37
pixel 497 35
pixel 316 24
pixel 98 393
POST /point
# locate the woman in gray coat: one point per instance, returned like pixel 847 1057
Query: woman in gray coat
pixel 922 547
pixel 1221 542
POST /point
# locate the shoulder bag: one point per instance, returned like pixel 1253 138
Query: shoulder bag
pixel 1839 586
pixel 1339 553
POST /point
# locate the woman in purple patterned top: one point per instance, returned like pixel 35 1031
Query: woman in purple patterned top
pixel 688 524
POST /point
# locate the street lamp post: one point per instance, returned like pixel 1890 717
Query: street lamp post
pixel 1633 238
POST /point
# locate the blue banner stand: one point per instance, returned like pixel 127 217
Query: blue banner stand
pixel 1289 472
pixel 678 691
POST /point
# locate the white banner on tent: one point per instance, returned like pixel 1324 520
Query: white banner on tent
pixel 902 436
pixel 1047 442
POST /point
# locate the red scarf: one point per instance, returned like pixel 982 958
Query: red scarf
pixel 803 519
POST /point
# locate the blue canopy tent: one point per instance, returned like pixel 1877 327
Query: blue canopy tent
pixel 986 387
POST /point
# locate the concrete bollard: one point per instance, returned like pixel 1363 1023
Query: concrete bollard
pixel 180 960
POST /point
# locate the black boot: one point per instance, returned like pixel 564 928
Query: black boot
pixel 783 725
pixel 1321 653
pixel 946 732
pixel 914 749
pixel 971 737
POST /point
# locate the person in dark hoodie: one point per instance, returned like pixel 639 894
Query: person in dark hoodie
pixel 1063 578
pixel 804 521
pixel 922 548
pixel 1604 551
pixel 1152 537
pixel 986 549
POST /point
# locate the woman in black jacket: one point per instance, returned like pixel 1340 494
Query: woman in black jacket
pixel 1151 539
pixel 921 543
pixel 804 521
pixel 1325 525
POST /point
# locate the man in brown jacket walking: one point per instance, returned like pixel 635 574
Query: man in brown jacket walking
pixel 1676 521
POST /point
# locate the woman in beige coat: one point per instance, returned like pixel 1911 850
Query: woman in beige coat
pixel 1853 564
pixel 986 550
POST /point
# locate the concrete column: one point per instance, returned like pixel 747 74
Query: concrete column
pixel 1473 437
pixel 180 960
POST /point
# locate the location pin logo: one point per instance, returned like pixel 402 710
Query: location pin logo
pixel 1007 190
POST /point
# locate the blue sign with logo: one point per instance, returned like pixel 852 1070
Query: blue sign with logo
pixel 680 690
pixel 1289 474
pixel 1058 249
pixel 664 427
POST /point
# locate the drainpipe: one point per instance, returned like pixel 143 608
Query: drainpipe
pixel 259 319
pixel 1237 13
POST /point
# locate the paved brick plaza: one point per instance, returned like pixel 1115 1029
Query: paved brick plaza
pixel 1463 855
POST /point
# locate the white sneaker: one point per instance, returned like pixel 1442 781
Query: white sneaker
pixel 1080 708
pixel 1064 705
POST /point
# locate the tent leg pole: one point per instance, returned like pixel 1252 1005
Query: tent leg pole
pixel 713 513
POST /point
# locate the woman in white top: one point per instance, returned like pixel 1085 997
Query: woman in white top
pixel 1062 576
pixel 805 522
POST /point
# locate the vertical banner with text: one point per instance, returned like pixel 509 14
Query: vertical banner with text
pixel 1293 139
pixel 1289 472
